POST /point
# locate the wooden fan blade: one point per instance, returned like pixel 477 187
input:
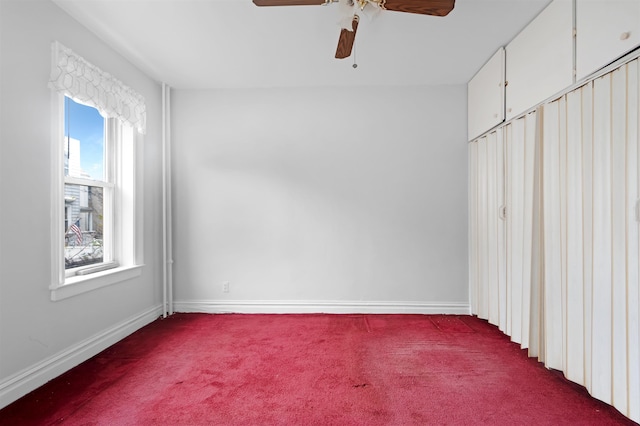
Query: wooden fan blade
pixel 422 7
pixel 345 42
pixel 288 2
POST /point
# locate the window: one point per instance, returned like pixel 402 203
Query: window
pixel 97 126
pixel 96 232
pixel 88 189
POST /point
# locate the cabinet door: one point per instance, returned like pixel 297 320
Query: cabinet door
pixel 605 30
pixel 540 58
pixel 486 96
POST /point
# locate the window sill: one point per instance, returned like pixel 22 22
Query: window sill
pixel 76 285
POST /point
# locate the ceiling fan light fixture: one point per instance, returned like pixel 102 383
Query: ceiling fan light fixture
pixel 346 14
pixel 349 11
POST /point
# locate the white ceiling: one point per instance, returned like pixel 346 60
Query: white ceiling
pixel 195 44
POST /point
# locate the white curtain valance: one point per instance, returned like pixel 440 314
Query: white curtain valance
pixel 72 75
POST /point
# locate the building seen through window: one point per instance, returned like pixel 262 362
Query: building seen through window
pixel 84 169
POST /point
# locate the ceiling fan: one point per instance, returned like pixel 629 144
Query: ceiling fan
pixel 348 32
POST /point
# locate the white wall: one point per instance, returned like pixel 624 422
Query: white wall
pixel 38 337
pixel 320 197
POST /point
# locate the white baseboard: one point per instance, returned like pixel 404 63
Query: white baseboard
pixel 25 381
pixel 328 307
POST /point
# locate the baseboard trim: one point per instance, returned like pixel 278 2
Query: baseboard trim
pixel 25 381
pixel 328 307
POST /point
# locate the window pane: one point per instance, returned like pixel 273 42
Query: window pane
pixel 83 242
pixel 84 141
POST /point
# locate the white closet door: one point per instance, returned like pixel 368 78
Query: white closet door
pixel 493 207
pixel 562 274
pixel 539 60
pixel 488 250
pixel 519 140
pixel 485 96
pixel 592 238
pixel 606 29
pixel 503 173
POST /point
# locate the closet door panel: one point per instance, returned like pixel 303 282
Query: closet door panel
pixel 486 96
pixel 606 30
pixel 540 59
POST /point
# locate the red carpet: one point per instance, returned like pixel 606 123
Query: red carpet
pixel 198 369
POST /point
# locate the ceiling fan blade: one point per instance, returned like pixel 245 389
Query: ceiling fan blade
pixel 422 7
pixel 345 42
pixel 288 2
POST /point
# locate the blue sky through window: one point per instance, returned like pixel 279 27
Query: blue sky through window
pixel 85 124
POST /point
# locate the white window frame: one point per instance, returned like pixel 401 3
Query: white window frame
pixel 123 260
pixel 112 145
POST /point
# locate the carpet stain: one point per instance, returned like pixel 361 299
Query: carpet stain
pixel 450 324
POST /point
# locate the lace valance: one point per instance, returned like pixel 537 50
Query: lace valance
pixel 72 75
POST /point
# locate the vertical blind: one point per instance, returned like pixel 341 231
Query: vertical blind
pixel 555 234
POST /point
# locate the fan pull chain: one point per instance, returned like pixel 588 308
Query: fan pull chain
pixel 355 65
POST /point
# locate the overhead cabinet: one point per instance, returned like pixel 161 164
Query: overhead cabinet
pixel 486 96
pixel 549 55
pixel 540 59
pixel 605 31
